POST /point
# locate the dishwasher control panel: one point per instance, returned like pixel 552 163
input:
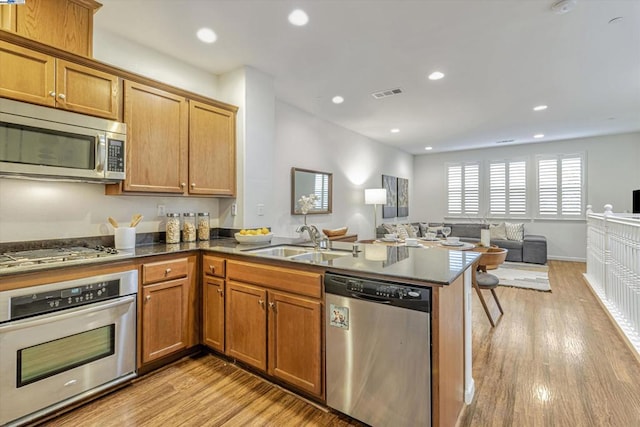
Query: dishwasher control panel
pixel 378 291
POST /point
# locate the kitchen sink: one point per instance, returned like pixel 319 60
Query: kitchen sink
pixel 318 257
pixel 281 251
pixel 297 253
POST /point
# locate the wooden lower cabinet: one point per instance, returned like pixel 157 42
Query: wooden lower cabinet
pixel 295 343
pixel 213 303
pixel 277 332
pixel 164 318
pixel 169 307
pixel 246 324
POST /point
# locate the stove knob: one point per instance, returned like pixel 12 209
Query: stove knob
pixel 414 294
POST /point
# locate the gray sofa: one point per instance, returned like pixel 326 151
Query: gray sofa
pixel 532 249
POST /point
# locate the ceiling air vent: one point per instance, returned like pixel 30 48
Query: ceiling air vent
pixel 386 93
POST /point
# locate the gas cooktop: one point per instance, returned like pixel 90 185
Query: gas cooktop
pixel 43 258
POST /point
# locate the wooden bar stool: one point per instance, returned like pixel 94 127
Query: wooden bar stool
pixel 484 280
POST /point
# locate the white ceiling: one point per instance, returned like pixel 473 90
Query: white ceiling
pixel 501 58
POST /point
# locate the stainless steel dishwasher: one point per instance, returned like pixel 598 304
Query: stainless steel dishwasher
pixel 378 351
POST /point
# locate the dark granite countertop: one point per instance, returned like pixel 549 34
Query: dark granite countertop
pixel 424 264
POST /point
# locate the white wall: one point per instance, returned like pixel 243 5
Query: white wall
pixel 612 167
pixel 356 162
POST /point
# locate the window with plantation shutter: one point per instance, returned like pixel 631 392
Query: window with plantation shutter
pixel 508 188
pixel 463 189
pixel 322 191
pixel 560 186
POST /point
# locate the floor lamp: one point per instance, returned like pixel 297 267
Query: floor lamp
pixel 375 197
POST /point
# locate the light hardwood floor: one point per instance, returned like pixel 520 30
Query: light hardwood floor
pixel 554 359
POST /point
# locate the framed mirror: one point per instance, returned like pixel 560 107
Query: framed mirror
pixel 305 182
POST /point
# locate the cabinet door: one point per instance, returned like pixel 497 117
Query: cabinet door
pixel 85 90
pixel 246 324
pixel 65 24
pixel 26 75
pixel 156 140
pixel 164 318
pixel 214 313
pixel 295 341
pixel 212 150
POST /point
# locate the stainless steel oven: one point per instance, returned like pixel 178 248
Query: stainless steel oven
pixel 65 341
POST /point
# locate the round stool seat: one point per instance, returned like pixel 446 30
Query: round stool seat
pixel 487 280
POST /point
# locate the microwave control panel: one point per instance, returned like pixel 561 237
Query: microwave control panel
pixel 115 155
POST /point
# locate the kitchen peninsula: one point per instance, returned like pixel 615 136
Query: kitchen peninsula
pixel 227 267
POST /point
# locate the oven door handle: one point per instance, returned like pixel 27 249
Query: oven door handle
pixel 66 314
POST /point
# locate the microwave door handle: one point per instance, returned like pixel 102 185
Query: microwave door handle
pixel 101 153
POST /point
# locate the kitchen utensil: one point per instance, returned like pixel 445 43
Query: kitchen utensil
pixel 113 222
pixel 135 220
pixel 125 238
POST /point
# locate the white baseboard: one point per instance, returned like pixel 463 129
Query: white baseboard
pixel 469 392
pixel 567 258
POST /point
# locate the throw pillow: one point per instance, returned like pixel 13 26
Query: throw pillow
pixel 515 231
pixel 498 231
pixel 412 231
pixel 389 228
pixel 402 232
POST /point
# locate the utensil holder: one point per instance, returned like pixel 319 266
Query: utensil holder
pixel 125 237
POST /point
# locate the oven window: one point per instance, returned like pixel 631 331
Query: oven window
pixel 51 358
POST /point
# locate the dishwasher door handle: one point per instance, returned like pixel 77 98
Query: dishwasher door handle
pixel 371 298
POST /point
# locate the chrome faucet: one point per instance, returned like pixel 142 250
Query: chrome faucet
pixel 314 234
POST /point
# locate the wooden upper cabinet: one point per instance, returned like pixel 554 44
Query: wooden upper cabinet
pixel 156 140
pixel 212 150
pixel 85 90
pixel 65 24
pixel 27 75
pixel 30 76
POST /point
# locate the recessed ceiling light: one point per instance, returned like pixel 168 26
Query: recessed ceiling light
pixel 298 17
pixel 428 148
pixel 207 35
pixel 395 130
pixel 436 75
pixel 337 99
pixel 540 108
pixel 538 135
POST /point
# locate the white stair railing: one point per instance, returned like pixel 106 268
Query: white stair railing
pixel 613 267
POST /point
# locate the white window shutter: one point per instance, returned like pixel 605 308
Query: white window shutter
pixel 560 186
pixel 463 189
pixel 508 188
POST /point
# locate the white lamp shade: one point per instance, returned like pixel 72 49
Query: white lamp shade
pixel 375 196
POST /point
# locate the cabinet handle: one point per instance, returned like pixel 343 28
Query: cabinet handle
pixel 261 302
pixel 272 305
pixel 220 292
pixel 52 93
pixel 167 271
pixel 148 297
pixel 61 96
pixel 182 184
pixel 193 185
pixel 212 268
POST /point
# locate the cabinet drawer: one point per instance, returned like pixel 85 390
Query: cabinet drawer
pixel 164 270
pixel 299 282
pixel 213 266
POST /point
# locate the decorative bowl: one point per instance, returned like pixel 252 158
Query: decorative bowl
pixel 250 238
pixel 335 232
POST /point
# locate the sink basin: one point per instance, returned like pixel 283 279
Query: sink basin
pixel 281 251
pixel 318 257
pixel 296 253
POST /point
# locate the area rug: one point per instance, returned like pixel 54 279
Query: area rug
pixel 522 275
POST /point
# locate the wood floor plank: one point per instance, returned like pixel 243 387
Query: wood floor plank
pixel 554 359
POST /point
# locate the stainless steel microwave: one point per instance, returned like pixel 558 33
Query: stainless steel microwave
pixel 47 143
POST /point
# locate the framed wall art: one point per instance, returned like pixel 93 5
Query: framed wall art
pixel 390 183
pixel 403 197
